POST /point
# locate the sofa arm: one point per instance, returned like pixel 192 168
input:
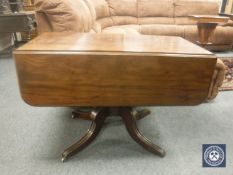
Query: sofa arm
pixel 66 15
pixel 217 79
pixel 43 24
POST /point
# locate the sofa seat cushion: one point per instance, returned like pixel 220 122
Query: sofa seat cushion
pixel 162 29
pixel 195 7
pixel 184 21
pixel 101 8
pixel 123 7
pixel 155 8
pixel 124 20
pixel 103 23
pixel 123 29
pixel 229 24
pixel 155 20
pixel 223 35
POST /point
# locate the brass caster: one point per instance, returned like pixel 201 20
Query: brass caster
pixel 163 153
pixel 63 159
pixel 140 114
pixel 73 116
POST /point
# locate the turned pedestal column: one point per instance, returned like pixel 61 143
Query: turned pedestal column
pixel 206 25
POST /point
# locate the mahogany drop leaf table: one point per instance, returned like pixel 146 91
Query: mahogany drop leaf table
pixel 112 73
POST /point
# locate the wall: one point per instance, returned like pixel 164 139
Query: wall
pixel 5 38
pixel 227 6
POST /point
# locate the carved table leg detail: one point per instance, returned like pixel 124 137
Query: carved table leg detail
pixel 99 116
pixel 131 126
pixel 83 114
pixel 140 114
pixel 205 31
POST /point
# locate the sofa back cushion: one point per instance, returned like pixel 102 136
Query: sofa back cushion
pixel 101 8
pixel 123 7
pixel 64 14
pixel 155 8
pixel 196 7
pixel 91 7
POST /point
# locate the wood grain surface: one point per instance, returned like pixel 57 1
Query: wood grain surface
pixel 72 73
pixel 209 18
pixel 125 44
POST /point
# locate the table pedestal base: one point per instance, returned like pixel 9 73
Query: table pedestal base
pixel 98 116
pixel 205 31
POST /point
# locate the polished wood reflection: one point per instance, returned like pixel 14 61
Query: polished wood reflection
pixel 108 43
pixel 209 18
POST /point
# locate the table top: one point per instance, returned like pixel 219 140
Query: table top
pixel 209 18
pixel 112 43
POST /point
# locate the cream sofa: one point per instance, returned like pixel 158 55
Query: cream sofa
pixel 148 17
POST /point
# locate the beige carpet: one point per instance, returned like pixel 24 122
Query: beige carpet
pixel 33 138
